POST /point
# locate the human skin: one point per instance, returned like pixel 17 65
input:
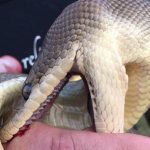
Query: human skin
pixel 40 136
pixel 10 64
pixel 45 137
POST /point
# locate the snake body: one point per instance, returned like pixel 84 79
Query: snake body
pixel 108 42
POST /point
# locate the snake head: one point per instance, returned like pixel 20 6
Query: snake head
pixel 68 103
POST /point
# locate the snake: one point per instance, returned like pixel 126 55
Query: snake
pixel 107 43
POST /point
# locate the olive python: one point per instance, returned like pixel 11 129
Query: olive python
pixel 107 42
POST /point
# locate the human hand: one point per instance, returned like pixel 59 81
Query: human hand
pixel 45 137
pixel 10 64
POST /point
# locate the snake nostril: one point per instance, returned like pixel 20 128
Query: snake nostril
pixel 26 90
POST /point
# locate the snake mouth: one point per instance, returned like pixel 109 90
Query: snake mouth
pixel 68 113
pixel 44 107
pixel 37 115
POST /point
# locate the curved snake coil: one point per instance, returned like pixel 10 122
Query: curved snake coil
pixel 108 42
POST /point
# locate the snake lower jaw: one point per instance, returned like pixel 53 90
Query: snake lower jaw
pixel 69 110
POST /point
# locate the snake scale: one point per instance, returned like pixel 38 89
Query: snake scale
pixel 108 43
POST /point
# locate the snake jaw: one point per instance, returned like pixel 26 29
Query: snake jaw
pixel 77 92
pixel 74 95
pixel 45 106
pixel 40 91
pixel 36 115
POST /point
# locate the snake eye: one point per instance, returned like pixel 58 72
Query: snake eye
pixel 26 90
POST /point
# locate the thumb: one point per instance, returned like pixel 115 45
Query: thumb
pixel 10 64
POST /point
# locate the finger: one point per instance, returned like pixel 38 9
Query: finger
pixel 10 64
pixel 41 136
